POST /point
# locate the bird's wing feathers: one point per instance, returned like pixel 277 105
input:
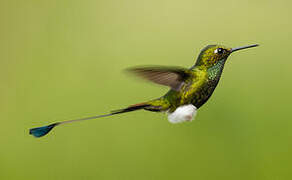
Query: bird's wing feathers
pixel 173 77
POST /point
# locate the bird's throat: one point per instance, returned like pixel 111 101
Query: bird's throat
pixel 216 70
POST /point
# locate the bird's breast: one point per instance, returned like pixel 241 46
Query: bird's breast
pixel 202 95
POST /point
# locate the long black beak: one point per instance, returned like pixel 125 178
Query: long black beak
pixel 243 47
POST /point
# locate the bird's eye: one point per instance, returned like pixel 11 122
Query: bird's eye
pixel 219 51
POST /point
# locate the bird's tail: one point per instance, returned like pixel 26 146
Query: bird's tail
pixel 41 131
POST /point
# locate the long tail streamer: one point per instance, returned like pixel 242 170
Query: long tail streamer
pixel 41 131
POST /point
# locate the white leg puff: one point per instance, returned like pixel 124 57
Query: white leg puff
pixel 182 114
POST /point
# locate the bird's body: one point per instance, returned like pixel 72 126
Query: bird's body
pixel 196 90
pixel 190 87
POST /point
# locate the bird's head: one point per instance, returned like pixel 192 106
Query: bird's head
pixel 212 54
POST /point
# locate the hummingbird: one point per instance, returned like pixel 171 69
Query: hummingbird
pixel 190 88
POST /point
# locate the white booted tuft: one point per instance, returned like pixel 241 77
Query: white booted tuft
pixel 182 114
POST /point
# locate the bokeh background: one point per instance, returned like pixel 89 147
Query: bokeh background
pixel 65 59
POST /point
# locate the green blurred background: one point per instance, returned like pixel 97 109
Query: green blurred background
pixel 64 60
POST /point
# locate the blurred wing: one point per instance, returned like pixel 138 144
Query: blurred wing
pixel 173 77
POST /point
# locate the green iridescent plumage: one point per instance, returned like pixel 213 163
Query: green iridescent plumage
pixel 188 86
